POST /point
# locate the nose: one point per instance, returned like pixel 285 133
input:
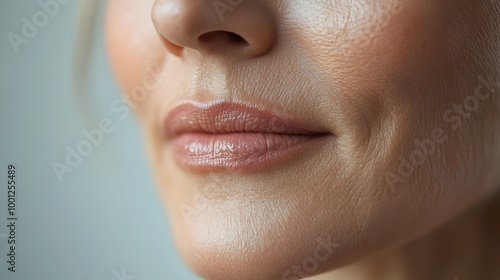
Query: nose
pixel 243 27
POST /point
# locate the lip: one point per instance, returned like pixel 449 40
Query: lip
pixel 228 136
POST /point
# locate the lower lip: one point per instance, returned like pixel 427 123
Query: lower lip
pixel 205 152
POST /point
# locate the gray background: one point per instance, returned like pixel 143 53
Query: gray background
pixel 105 216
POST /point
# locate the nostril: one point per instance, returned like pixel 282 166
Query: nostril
pixel 233 37
pixel 222 37
pixel 248 32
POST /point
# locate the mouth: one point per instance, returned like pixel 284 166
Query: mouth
pixel 227 136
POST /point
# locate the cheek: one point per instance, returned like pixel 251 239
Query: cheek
pixel 132 42
pixel 368 54
pixel 358 45
pixel 386 58
pixel 375 40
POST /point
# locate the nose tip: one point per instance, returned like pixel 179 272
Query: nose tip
pixel 223 27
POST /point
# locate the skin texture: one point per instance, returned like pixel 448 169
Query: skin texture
pixel 380 76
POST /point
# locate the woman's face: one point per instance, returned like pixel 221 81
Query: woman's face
pixel 292 137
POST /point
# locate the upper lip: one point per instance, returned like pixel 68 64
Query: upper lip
pixel 229 117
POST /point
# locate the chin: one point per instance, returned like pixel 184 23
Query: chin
pixel 287 225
